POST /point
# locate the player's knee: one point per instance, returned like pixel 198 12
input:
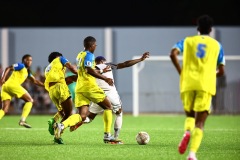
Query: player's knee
pixel 119 111
pixel 190 113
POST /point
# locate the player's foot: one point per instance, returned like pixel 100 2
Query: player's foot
pixel 87 120
pixel 73 128
pixel 58 141
pixel 191 158
pixel 115 142
pixel 24 124
pixel 184 142
pixel 108 138
pixel 58 129
pixel 51 121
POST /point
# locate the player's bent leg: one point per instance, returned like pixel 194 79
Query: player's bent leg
pixel 83 111
pixel 75 127
pixel 86 121
pixel 67 108
pixel 26 110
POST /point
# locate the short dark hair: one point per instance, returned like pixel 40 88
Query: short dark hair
pixel 205 24
pixel 26 56
pixel 88 42
pixel 99 58
pixel 53 55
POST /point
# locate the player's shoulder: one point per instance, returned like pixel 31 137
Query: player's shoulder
pixel 81 53
pixel 191 37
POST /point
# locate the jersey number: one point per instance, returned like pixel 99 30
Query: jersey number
pixel 201 50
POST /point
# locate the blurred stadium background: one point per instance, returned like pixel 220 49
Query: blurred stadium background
pixel 158 80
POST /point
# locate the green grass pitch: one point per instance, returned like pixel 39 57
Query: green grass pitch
pixel 221 140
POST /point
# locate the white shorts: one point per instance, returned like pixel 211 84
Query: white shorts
pixel 113 97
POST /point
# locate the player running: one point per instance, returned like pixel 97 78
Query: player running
pixel 12 87
pixel 56 85
pixel 201 56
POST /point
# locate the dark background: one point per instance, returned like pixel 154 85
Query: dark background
pixel 116 13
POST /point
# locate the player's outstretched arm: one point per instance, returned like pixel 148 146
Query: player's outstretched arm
pixel 130 63
pixel 35 81
pixel 173 55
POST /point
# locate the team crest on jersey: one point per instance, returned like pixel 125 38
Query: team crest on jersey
pixel 15 65
pixel 89 63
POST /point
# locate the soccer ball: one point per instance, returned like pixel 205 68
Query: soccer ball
pixel 142 138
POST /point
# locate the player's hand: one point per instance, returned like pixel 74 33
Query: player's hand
pixel 107 69
pixel 145 55
pixel 109 81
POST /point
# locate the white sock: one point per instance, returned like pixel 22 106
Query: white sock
pixel 117 125
pixel 87 120
pixel 192 154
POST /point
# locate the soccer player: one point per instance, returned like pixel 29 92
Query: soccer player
pixel 86 90
pixel 57 87
pixel 106 69
pixel 11 87
pixel 203 60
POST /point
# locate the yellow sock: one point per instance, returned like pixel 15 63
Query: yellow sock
pixel 26 110
pixel 2 113
pixel 107 118
pixel 197 135
pixel 57 116
pixel 189 124
pixel 72 120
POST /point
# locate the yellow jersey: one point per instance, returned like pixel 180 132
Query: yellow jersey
pixel 19 74
pixel 201 56
pixel 85 81
pixel 55 71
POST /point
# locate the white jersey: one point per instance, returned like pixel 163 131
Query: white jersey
pixel 101 83
pixel 110 91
